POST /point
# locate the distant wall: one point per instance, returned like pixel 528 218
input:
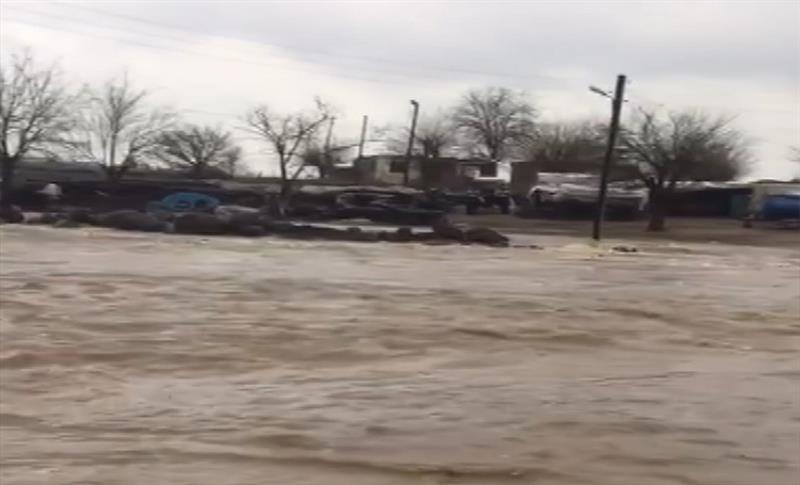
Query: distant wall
pixel 712 202
pixel 524 175
pixel 445 173
pixel 44 172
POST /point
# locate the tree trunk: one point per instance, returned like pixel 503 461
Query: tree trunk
pixel 7 174
pixel 658 209
pixel 197 170
pixel 286 189
pixel 112 174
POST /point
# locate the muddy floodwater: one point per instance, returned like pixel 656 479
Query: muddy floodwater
pixel 139 359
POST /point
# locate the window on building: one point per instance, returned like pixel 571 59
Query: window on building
pixel 488 170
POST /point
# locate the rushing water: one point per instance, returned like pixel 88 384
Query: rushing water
pixel 139 359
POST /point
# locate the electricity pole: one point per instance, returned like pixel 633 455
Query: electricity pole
pixel 329 134
pixel 326 155
pixel 363 137
pixel 410 141
pixel 616 108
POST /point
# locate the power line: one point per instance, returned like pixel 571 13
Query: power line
pixel 270 65
pixel 162 25
pixel 141 34
pixel 198 54
pixel 660 104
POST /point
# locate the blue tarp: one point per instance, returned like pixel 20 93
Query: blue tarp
pixel 182 201
pixel 778 207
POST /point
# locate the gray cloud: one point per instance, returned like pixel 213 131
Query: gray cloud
pixel 736 56
pixel 519 39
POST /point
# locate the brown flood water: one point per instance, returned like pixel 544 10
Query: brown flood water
pixel 138 359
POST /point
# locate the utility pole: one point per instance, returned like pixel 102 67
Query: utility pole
pixel 616 108
pixel 326 156
pixel 410 142
pixel 363 136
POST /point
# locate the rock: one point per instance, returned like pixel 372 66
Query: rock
pixel 44 218
pixel 445 229
pixel 242 223
pixel 249 231
pixel 438 242
pixel 33 220
pixel 199 223
pixel 367 236
pixel 426 236
pixel 162 215
pixel 357 234
pixel 483 235
pixel 51 217
pixel 130 220
pixel 404 234
pixel 67 224
pixel 81 216
pixel 527 246
pixel 279 227
pixel 12 215
pixel 239 215
pixel 401 235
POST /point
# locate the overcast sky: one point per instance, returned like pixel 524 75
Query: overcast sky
pixel 212 60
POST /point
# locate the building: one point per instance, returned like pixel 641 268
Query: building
pixel 423 173
pixel 524 175
pixel 40 172
pixel 710 199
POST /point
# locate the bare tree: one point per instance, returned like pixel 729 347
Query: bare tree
pixel 286 134
pixel 35 115
pixel 434 134
pixel 683 146
pixel 198 148
pixel 314 152
pixel 234 166
pixel 119 130
pixel 497 119
pixel 567 147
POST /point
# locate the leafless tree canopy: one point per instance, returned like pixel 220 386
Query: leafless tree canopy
pixel 119 129
pixel 434 134
pixel 567 147
pixel 685 146
pixel 682 146
pixel 35 114
pixel 286 134
pixel 496 119
pixel 198 148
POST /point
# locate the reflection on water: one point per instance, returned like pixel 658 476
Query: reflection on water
pixel 136 359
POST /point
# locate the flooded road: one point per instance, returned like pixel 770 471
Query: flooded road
pixel 140 359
